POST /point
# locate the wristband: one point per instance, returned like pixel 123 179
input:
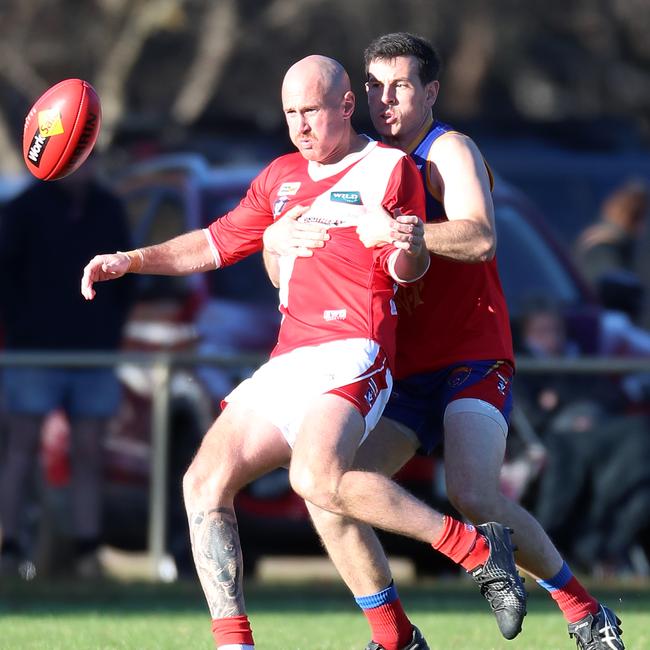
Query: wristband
pixel 136 260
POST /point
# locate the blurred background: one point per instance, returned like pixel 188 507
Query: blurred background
pixel 557 97
pixel 178 73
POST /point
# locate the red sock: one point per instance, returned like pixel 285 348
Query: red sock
pixel 462 543
pixel 390 626
pixel 574 601
pixel 232 630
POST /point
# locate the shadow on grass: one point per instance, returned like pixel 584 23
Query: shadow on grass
pixel 38 597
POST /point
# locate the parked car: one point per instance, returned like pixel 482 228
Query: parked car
pixel 234 310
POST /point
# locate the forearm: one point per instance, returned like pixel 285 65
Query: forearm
pixel 464 240
pixel 406 267
pixel 185 254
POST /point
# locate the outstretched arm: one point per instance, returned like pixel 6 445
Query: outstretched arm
pixel 187 253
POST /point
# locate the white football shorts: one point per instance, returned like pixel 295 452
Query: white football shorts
pixel 283 389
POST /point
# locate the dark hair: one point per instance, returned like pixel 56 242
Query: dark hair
pixel 390 46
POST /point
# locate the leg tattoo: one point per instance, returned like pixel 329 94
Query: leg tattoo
pixel 218 559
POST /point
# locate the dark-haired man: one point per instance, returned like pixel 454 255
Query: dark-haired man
pixel 454 362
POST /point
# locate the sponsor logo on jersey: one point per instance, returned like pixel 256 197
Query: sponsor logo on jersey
pixel 458 376
pixel 335 314
pixel 289 189
pixel 279 204
pixel 49 122
pixel 326 220
pixel 352 198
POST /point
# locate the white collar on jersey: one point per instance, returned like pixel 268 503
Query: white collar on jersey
pixel 318 172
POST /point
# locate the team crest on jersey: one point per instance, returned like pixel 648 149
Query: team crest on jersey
pixel 352 198
pixel 279 204
pixel 289 189
pixel 458 376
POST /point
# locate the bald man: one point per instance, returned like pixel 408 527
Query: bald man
pixel 327 381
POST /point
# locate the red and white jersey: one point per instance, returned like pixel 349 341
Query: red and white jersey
pixel 345 290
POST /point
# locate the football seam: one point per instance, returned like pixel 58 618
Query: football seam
pixel 55 169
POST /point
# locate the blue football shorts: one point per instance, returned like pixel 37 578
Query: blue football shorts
pixel 419 401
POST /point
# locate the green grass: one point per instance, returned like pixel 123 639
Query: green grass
pixel 318 616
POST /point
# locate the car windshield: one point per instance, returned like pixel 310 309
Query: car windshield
pixel 528 266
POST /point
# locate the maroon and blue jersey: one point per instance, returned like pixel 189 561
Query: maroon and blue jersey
pixel 457 310
pixel 453 331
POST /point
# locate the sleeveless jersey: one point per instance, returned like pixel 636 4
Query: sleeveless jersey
pixel 345 290
pixel 457 311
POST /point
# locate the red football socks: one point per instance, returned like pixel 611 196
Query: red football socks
pixel 390 626
pixel 574 601
pixel 571 597
pixel 232 630
pixel 462 543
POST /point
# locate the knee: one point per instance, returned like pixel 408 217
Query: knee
pixel 204 487
pixel 193 485
pixel 315 487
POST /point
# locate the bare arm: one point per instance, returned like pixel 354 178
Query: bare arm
pixel 185 254
pixel 460 176
pixel 410 263
pixel 461 179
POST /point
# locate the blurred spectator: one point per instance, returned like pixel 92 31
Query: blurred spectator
pixel 596 480
pixel 556 400
pixel 610 244
pixel 47 234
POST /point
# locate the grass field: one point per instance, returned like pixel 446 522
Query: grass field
pixel 318 616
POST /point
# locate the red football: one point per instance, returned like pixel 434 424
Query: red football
pixel 61 129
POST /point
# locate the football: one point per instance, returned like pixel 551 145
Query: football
pixel 61 129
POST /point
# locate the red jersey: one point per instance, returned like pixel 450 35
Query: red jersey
pixel 457 311
pixel 345 290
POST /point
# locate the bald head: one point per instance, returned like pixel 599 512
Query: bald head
pixel 318 103
pixel 320 74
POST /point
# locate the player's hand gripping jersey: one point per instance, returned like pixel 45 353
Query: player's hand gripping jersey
pixel 345 291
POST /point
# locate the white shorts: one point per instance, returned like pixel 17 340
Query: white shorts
pixel 284 388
